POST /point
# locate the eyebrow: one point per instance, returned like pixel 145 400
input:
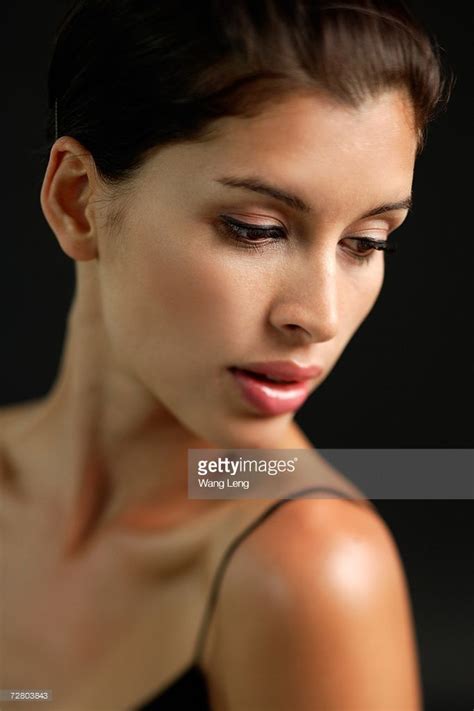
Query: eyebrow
pixel 295 202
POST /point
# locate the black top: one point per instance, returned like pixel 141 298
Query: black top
pixel 189 690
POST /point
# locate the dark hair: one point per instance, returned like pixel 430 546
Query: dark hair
pixel 130 75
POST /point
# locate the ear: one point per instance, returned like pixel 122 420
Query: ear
pixel 66 198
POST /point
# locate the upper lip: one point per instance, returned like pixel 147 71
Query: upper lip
pixel 284 370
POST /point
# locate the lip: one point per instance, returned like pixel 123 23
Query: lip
pixel 274 398
pixel 285 370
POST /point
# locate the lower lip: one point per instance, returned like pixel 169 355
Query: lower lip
pixel 271 398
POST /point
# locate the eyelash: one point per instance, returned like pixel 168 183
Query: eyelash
pixel 250 237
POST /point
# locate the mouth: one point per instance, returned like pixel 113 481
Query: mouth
pixel 269 394
pixel 264 377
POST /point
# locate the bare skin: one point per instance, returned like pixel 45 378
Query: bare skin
pixel 108 561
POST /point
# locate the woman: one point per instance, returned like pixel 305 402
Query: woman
pixel 225 179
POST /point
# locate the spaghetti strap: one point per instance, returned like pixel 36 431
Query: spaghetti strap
pixel 212 599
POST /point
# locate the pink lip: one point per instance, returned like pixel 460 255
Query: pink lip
pixel 275 398
pixel 285 369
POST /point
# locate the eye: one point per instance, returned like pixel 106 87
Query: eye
pixel 257 237
pixel 252 236
pixel 365 248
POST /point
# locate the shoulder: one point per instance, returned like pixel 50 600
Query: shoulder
pixel 313 536
pixel 324 617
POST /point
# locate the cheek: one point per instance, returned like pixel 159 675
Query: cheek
pixel 362 292
pixel 188 300
pixel 357 296
pixel 207 297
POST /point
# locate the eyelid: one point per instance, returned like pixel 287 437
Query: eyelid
pixel 383 227
pixel 388 222
pixel 264 226
pixel 377 244
pixel 248 219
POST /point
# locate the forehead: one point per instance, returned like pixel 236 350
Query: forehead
pixel 314 145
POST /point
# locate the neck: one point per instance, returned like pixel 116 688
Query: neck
pixel 127 452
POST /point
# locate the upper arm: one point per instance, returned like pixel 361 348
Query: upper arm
pixel 315 615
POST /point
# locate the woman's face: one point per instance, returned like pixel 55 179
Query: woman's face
pixel 187 297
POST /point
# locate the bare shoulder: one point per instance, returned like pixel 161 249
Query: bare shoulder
pixel 308 536
pixel 324 615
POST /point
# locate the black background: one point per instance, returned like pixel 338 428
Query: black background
pixel 405 379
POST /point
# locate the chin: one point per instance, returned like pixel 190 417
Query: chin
pixel 250 432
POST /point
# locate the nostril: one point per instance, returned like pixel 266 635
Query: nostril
pixel 296 328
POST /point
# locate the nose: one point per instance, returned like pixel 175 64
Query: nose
pixel 306 307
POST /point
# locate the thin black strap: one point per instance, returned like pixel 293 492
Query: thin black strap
pixel 235 543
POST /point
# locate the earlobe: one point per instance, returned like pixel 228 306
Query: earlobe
pixel 66 195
